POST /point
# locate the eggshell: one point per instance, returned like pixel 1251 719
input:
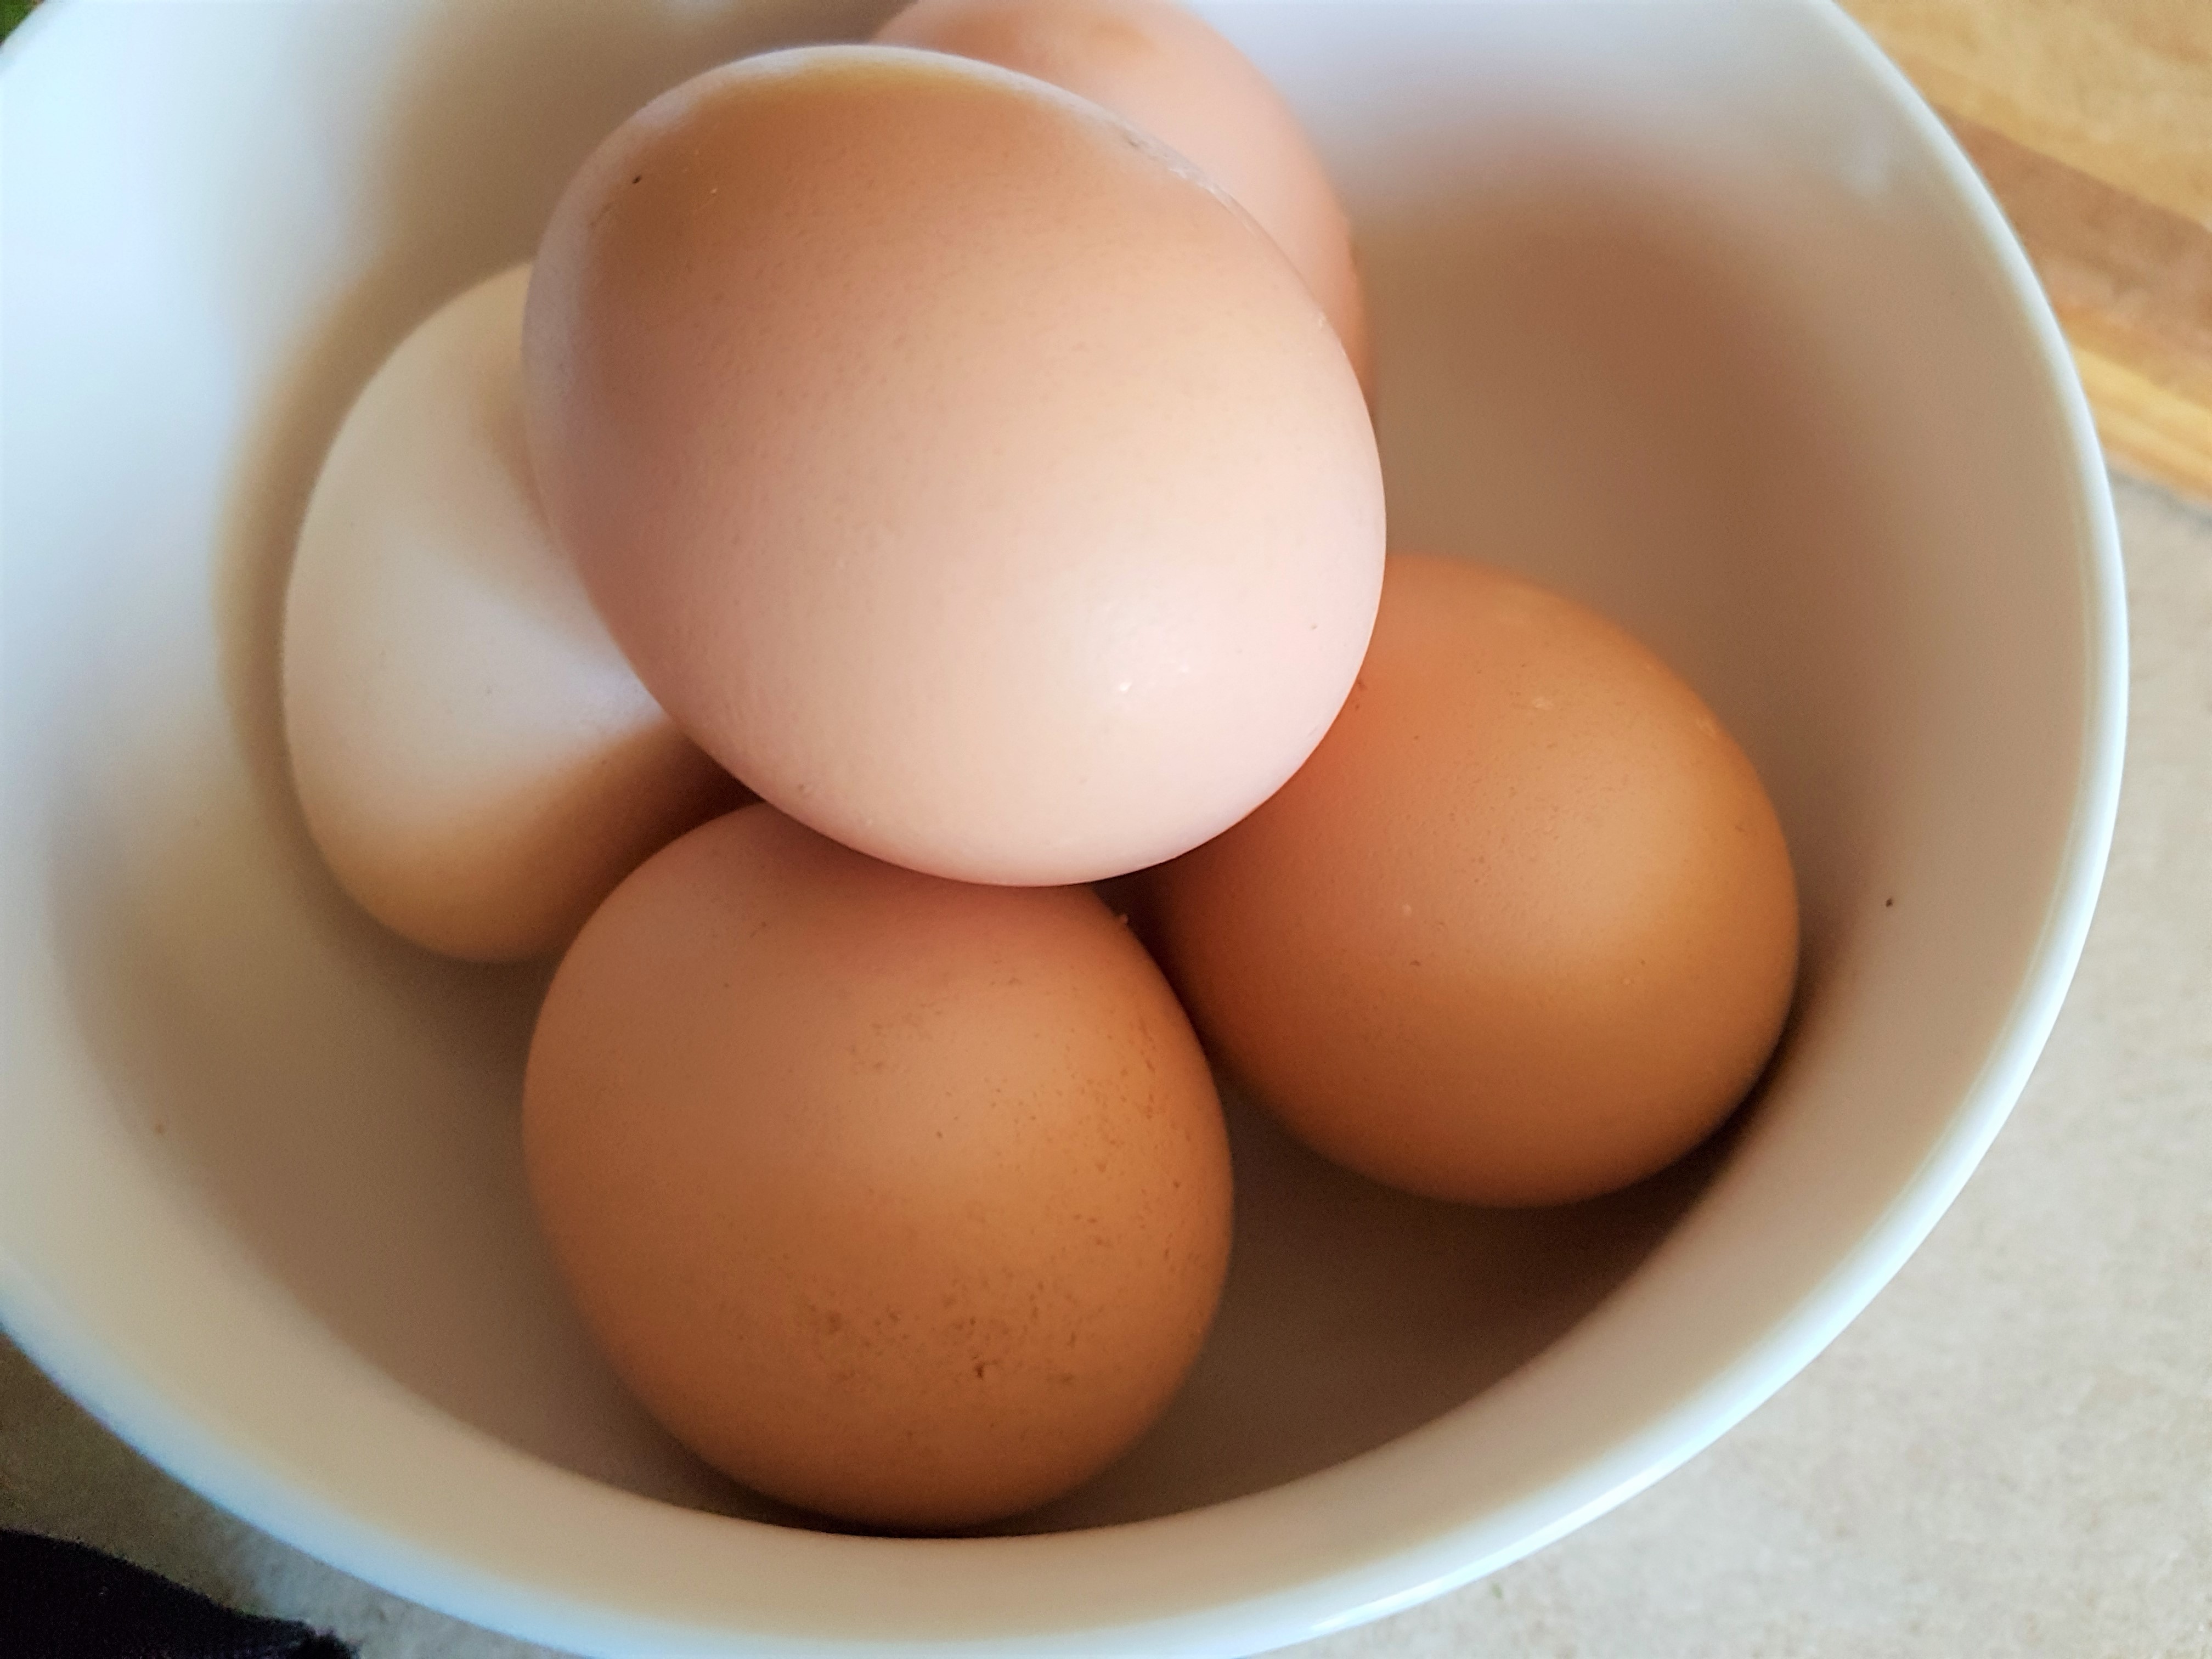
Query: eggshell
pixel 1523 929
pixel 899 1200
pixel 477 763
pixel 958 467
pixel 1163 69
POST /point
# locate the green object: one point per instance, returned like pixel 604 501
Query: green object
pixel 13 12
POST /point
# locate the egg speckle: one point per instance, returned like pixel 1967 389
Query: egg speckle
pixel 897 1199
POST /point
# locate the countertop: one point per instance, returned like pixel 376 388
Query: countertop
pixel 2009 1452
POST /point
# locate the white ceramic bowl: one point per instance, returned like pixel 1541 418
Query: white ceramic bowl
pixel 1690 308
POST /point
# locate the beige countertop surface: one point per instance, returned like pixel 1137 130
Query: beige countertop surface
pixel 2010 1452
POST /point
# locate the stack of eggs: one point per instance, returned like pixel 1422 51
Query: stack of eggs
pixel 961 440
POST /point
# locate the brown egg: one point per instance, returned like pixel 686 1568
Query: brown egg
pixel 1163 70
pixel 951 463
pixel 898 1200
pixel 1522 931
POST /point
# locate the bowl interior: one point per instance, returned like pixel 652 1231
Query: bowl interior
pixel 1681 309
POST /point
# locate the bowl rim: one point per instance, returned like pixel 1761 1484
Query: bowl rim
pixel 1390 1576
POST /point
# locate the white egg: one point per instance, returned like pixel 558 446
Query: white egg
pixel 476 760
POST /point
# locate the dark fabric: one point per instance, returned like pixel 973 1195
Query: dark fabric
pixel 63 1601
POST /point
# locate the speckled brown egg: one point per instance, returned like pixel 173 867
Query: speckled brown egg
pixel 1522 931
pixel 898 1200
pixel 952 462
pixel 1165 70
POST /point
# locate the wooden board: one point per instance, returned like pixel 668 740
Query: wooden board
pixel 2091 120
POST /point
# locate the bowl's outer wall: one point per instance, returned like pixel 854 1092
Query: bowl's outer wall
pixel 1688 308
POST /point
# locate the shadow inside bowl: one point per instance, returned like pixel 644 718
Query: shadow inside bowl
pixel 1354 1314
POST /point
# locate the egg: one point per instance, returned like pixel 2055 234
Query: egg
pixel 1163 69
pixel 898 1200
pixel 1522 931
pixel 474 760
pixel 954 463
